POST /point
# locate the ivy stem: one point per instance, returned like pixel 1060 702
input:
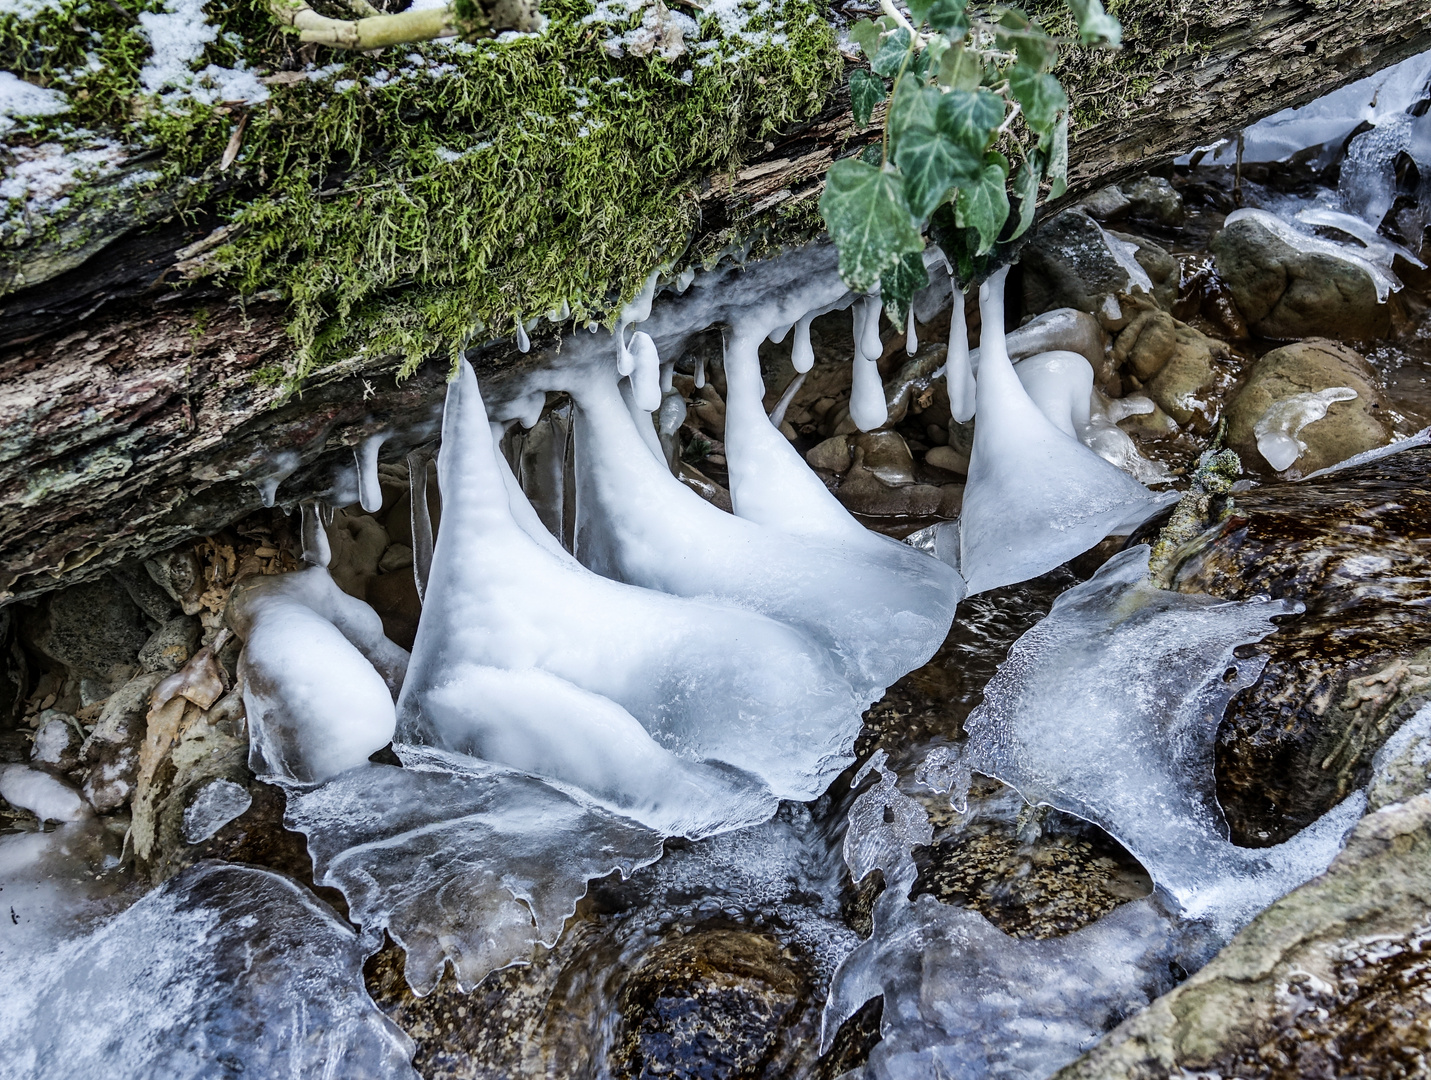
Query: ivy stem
pixel 1008 120
pixel 887 6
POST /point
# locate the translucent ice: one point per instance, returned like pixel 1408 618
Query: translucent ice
pixel 958 368
pixel 1036 496
pixel 225 970
pixel 216 804
pixel 318 675
pixel 867 407
pixel 460 859
pixel 1061 385
pixel 365 457
pixel 1279 428
pixel 1107 709
pixel 1105 438
pixel 706 682
pixel 1384 280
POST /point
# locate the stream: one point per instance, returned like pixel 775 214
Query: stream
pixel 763 690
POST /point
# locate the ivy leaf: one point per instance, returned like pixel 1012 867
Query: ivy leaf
pixel 913 105
pixel 1057 150
pixel 984 205
pixel 947 16
pixel 873 153
pixel 890 56
pixel 918 9
pixel 866 34
pixel 959 69
pixel 1040 95
pixel 969 117
pixel 1026 188
pixel 866 91
pixel 865 211
pixel 1096 26
pixel 899 283
pixel 931 165
pixel 1035 48
pixel 956 242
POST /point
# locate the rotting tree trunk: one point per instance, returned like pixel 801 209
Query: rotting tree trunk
pixel 130 418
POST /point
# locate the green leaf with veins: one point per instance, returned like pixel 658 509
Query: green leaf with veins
pixel 866 91
pixel 1040 95
pixel 1095 26
pixel 918 9
pixel 913 105
pixel 931 165
pixel 984 205
pixel 865 211
pixel 959 69
pixel 866 35
pixel 1055 145
pixel 969 117
pixel 890 56
pixel 899 283
pixel 1026 188
pixel 1035 48
pixel 873 153
pixel 948 17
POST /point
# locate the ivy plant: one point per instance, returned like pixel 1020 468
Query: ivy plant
pixel 974 126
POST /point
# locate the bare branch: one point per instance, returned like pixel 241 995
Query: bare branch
pixel 375 30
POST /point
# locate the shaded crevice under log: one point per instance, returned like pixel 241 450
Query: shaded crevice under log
pixel 130 417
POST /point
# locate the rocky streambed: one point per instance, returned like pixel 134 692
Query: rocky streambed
pixel 775 950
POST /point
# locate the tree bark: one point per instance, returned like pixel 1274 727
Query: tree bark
pixel 130 418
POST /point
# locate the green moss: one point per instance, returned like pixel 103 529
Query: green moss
pixel 420 197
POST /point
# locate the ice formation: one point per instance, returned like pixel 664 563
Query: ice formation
pixel 215 804
pixel 704 682
pixel 1126 740
pixel 365 458
pixel 1278 429
pixel 45 796
pixel 958 366
pixel 879 608
pixel 1383 280
pixel 867 408
pixel 1421 438
pixel 1036 496
pixel 1105 438
pixel 224 969
pixel 1061 385
pixel 318 674
pixel 460 859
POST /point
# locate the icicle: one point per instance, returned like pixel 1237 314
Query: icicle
pixel 417 462
pixel 645 426
pixel 668 376
pixel 871 347
pixel 1036 496
pixel 524 343
pixel 684 279
pixel 867 405
pixel 638 311
pixel 958 372
pixel 365 457
pixel 280 467
pixel 316 551
pixel 700 371
pixel 645 373
pixel 911 335
pixel 802 353
pixel 778 334
pixel 777 415
pixel 527 410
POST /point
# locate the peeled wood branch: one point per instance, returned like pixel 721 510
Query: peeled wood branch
pixel 373 32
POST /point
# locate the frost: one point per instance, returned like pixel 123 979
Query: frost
pixel 37 180
pixel 45 796
pixel 178 36
pixel 222 964
pixel 1126 740
pixel 1036 496
pixel 1278 430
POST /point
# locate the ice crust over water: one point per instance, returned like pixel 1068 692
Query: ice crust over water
pixel 1036 496
pixel 224 971
pixel 1108 709
pixel 460 859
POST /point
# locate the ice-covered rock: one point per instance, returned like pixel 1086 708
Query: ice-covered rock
pixel 1036 496
pixel 47 797
pixel 1072 261
pixel 1128 742
pixel 224 970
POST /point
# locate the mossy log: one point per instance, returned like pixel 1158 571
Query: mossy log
pixel 131 417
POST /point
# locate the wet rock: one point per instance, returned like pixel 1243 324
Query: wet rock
pixel 1107 204
pixel 57 742
pixel 357 542
pixel 1285 293
pixel 93 628
pixel 885 454
pixel 1401 769
pixel 948 459
pixel 1070 262
pixel 1190 386
pixel 1161 268
pixel 1355 547
pixel 1333 980
pixel 145 591
pixel 169 648
pixel 394 597
pixel 1152 198
pixel 110 754
pixel 713 1004
pixel 913 381
pixel 1347 429
pixel 179 574
pixel 832 455
pixel 1032 872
